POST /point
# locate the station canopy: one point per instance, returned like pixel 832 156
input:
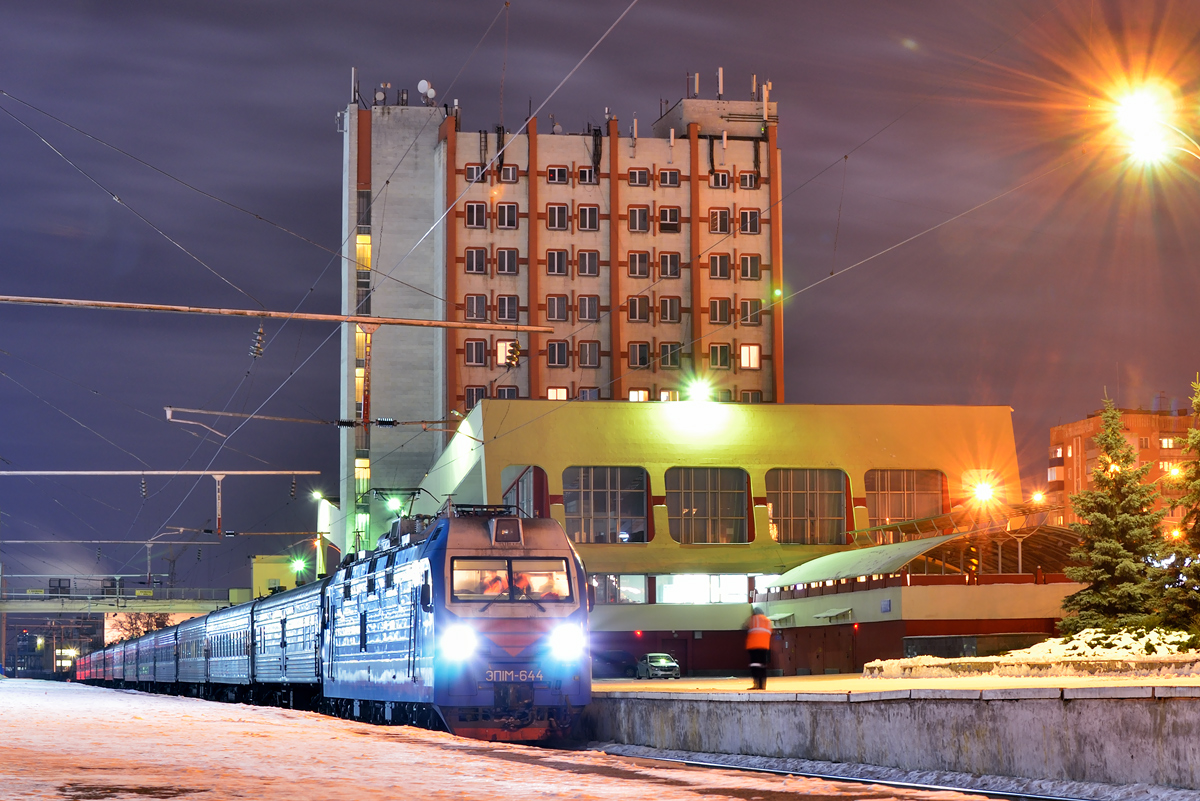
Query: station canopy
pixel 874 561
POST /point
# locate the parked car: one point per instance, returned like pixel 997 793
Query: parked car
pixel 613 665
pixel 657 666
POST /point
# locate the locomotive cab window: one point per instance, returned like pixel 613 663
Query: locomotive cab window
pixel 480 579
pixel 510 580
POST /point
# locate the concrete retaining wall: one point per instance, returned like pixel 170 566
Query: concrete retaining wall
pixel 1114 735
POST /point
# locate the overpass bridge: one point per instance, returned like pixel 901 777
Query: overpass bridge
pixel 159 599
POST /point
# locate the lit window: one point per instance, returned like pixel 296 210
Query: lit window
pixel 807 507
pixel 669 353
pixel 557 215
pixel 476 307
pixel 639 395
pixel 476 215
pixel 477 261
pixel 506 261
pixel 589 218
pixel 362 252
pixel 639 265
pixel 589 262
pixel 751 357
pixel 557 175
pixel 749 221
pixel 556 308
pixel 589 355
pixel 668 220
pixel 504 348
pixel 751 312
pixel 718 311
pixel 719 180
pixel 1167 442
pixel 557 355
pixel 639 177
pixel 639 219
pixel 556 262
pixel 476 351
pixel 718 221
pixel 506 215
pixel 748 180
pixel 639 309
pixel 667 395
pixel 668 310
pixel 556 393
pixel 718 265
pixel 718 357
pixel 639 355
pixel 589 308
pixel 668 265
pixel 473 395
pixel 668 178
pixel 751 267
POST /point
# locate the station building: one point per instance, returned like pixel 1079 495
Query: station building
pixel 684 511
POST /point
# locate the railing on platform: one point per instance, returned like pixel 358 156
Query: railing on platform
pixel 863 583
pixel 124 594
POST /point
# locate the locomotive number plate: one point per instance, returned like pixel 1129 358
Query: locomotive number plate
pixel 512 674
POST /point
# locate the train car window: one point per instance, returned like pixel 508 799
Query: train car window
pixel 346 586
pixel 283 633
pixel 540 580
pixel 479 579
pixel 388 577
pixel 362 631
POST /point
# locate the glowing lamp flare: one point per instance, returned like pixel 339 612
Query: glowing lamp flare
pixel 1038 497
pixel 983 492
pixel 567 642
pixel 393 504
pixel 1142 116
pixel 297 565
pixel 459 643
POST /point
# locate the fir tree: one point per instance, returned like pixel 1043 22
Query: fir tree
pixel 1118 538
pixel 1179 606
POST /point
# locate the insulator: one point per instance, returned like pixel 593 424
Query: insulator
pixel 143 486
pixel 256 349
pixel 198 554
pixel 293 487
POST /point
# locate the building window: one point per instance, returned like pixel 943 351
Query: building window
pixel 639 395
pixel 639 219
pixel 557 175
pixel 668 265
pixel 477 261
pixel 639 264
pixel 668 220
pixel 475 174
pixel 718 357
pixel 477 215
pixel 1166 442
pixel 668 178
pixel 718 311
pixel 669 353
pixel 668 310
pixel 589 262
pixel 707 504
pixel 718 265
pixel 751 269
pixel 556 216
pixel 702 588
pixel 752 396
pixel 896 495
pixel 473 395
pixel 612 588
pixel 639 309
pixel 589 308
pixel 639 177
pixel 749 221
pixel 556 262
pixel 606 504
pixel 751 312
pixel 364 211
pixel 556 308
pixel 719 180
pixel 506 215
pixel 476 307
pixel 639 355
pixel 748 180
pixel 508 393
pixel 508 174
pixel 508 307
pixel 718 221
pixel 506 261
pixel 807 507
pixel 558 353
pixel 589 218
pixel 589 355
pixel 587 175
pixel 589 393
pixel 556 393
pixel 668 395
pixel 504 349
pixel 751 357
pixel 476 350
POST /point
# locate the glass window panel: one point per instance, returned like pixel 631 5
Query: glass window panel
pixel 540 580
pixel 479 579
pixel 611 503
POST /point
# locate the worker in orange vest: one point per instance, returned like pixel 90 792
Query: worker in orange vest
pixel 758 646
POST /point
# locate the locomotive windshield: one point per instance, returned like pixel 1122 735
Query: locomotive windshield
pixel 539 580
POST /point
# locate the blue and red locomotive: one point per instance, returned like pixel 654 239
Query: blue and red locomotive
pixel 475 621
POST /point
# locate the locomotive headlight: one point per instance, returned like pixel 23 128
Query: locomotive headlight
pixel 459 642
pixel 567 642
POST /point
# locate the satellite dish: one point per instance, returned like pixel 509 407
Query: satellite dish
pixel 431 94
pixel 557 128
pixel 380 96
pixel 423 86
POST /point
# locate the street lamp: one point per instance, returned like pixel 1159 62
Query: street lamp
pixel 1144 118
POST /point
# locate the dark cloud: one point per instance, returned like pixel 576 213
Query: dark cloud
pixel 1082 281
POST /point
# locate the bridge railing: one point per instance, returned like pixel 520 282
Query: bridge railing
pixel 124 594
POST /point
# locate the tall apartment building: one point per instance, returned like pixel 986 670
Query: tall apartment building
pixel 1157 435
pixel 656 260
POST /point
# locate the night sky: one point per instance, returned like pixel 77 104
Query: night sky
pixel 1076 278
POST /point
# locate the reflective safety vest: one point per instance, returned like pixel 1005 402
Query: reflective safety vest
pixel 758 636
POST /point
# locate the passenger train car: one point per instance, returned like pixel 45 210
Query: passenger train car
pixel 475 621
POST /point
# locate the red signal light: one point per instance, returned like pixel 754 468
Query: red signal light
pixel 856 628
pixel 637 633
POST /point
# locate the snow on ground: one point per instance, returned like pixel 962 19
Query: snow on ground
pixel 1098 644
pixel 70 741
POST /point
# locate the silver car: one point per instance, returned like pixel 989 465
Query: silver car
pixel 657 666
